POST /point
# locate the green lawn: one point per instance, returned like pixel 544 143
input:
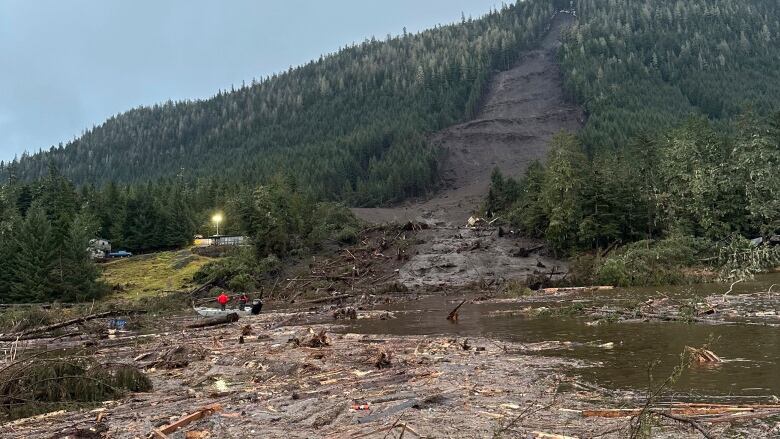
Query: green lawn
pixel 150 275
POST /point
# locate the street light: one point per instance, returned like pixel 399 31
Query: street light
pixel 217 218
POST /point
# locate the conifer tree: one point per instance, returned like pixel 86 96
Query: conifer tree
pixel 80 279
pixel 563 181
pixel 9 222
pixel 36 256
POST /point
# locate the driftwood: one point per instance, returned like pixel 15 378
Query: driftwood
pixel 454 313
pixel 202 288
pixel 326 299
pixel 26 335
pixel 162 432
pixel 578 289
pixel 678 410
pixel 390 411
pixel 215 321
pixel 685 420
pixel 701 355
pixel 737 417
pixel 523 252
pixel 543 435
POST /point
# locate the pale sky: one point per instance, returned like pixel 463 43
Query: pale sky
pixel 67 65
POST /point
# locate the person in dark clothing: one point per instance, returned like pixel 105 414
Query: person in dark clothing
pixel 257 306
pixel 243 299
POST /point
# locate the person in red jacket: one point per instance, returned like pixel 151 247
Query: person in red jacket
pixel 223 299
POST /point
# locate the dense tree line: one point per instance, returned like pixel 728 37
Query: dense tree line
pixel 350 126
pixel 282 222
pixel 638 171
pixel 640 66
pixel 695 180
pixel 46 227
pixel 44 235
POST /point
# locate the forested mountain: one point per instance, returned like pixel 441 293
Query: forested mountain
pixel 350 126
pixel 643 65
pixel 682 136
pixel 681 143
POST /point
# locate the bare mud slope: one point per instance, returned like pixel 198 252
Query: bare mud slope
pixel 524 108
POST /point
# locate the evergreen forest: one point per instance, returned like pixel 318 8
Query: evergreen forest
pixel 46 227
pixel 645 66
pixel 682 141
pixel 681 136
pixel 350 126
pixel 681 150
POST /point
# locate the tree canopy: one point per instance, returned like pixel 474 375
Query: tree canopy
pixel 350 126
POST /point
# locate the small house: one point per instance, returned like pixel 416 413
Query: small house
pixel 221 240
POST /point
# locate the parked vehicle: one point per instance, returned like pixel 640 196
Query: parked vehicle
pixel 120 254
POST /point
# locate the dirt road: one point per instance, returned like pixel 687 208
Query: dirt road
pixel 523 110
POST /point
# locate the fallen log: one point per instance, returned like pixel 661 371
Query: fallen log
pixel 162 432
pixel 679 411
pixel 453 315
pixel 523 252
pixel 744 416
pixel 384 278
pixel 543 435
pixel 662 317
pixel 43 329
pixel 327 299
pixel 578 289
pixel 203 288
pixel 702 355
pixel 685 420
pixel 215 321
pixel 390 411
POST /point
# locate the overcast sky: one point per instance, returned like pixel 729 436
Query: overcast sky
pixel 66 66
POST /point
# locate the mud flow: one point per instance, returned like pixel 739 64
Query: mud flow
pixel 523 109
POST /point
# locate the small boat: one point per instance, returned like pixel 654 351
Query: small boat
pixel 205 311
pixel 216 312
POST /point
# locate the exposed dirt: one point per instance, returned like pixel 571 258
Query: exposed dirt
pixel 524 108
pixel 461 256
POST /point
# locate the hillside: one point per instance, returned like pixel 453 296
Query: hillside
pixel 681 144
pixel 643 66
pixel 523 108
pixel 376 123
pixel 351 125
pixel 148 275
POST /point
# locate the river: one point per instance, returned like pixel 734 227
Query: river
pixel 618 355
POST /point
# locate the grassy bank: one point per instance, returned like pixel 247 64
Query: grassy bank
pixel 149 275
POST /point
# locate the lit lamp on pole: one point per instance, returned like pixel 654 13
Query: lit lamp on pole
pixel 216 219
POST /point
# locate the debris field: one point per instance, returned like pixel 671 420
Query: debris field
pixel 276 375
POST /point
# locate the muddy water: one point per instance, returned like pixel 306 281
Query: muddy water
pixel 750 352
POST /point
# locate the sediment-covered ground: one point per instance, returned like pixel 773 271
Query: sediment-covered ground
pixel 301 374
pixel 523 109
